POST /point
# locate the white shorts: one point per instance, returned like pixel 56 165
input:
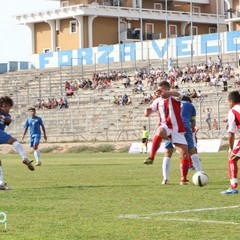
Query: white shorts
pixel 175 137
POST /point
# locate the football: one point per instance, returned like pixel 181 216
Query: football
pixel 200 179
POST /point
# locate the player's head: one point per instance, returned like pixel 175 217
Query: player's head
pixel 164 85
pixel 32 111
pixel 144 128
pixel 186 99
pixel 6 104
pixel 233 98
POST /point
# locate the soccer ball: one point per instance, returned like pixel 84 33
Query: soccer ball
pixel 200 179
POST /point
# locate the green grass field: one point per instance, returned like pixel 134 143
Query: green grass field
pixel 115 196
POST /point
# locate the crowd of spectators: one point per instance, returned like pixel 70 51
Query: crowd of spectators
pixel 52 103
pixel 213 74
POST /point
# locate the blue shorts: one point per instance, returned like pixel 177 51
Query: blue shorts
pixel 189 137
pixel 168 144
pixel 34 140
pixel 4 137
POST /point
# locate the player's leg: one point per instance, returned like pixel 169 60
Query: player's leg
pixel 143 144
pixel 36 141
pixel 180 143
pixel 3 185
pixel 146 146
pixel 7 139
pixel 183 152
pixel 190 163
pixel 192 149
pixel 233 170
pixel 166 162
pixel 156 142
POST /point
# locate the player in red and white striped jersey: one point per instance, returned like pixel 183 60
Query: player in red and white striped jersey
pixel 234 152
pixel 171 127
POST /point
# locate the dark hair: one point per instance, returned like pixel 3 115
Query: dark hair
pixel 32 109
pixel 234 96
pixel 186 98
pixel 6 100
pixel 165 84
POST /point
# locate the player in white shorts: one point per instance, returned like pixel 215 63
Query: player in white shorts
pixel 171 127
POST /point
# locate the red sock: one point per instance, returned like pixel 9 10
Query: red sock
pixel 184 170
pixel 155 145
pixel 233 172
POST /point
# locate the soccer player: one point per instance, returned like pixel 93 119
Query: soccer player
pixel 34 123
pixel 145 136
pixel 171 126
pixel 6 104
pixel 234 152
pixel 188 113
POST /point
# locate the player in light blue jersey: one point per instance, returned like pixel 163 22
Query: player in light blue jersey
pixel 35 123
pixel 6 104
pixel 188 114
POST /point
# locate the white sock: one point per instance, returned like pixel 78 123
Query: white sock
pixel 166 167
pixel 1 176
pixel 18 148
pixel 196 162
pixel 37 155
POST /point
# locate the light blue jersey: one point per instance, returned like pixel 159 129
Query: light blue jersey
pixel 34 125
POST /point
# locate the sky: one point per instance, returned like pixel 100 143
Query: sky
pixel 15 40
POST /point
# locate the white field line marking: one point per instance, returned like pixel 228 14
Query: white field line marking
pixel 150 216
pixel 175 212
pixel 135 216
pixel 190 220
pixel 196 220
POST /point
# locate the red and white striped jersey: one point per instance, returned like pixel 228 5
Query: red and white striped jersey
pixel 169 111
pixel 234 119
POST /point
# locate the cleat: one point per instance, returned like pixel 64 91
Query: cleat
pixel 184 182
pixel 191 168
pixel 149 161
pixel 230 191
pixel 4 186
pixel 38 164
pixel 164 182
pixel 29 164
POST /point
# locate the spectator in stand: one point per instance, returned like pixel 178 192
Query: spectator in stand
pixel 170 64
pixel 194 94
pixel 124 99
pixel 219 62
pixel 215 124
pixel 147 98
pixel 60 103
pixel 127 83
pixel 69 92
pixel 210 63
pixel 63 103
pixel 237 80
pixel 129 101
pixel 76 86
pixel 67 85
pixel 115 100
pixel 208 112
pixel 225 83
